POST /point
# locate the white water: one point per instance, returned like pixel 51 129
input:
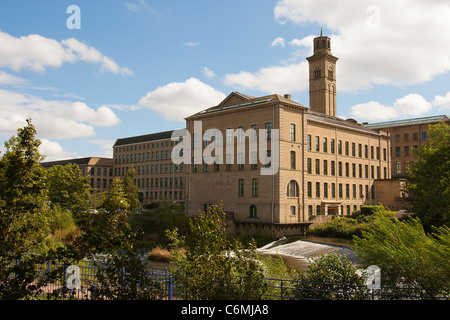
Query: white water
pixel 299 253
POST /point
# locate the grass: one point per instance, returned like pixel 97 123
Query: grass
pixel 159 254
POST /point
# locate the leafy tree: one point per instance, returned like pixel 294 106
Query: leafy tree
pixel 68 188
pixel 24 214
pixel 24 218
pixel 116 199
pixel 131 190
pixel 209 266
pixel 428 182
pixel 331 276
pixel 406 255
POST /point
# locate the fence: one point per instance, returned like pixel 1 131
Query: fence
pixel 276 289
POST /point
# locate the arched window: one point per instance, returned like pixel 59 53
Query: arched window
pixel 292 190
pixel 252 212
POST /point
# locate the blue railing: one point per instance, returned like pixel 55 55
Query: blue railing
pixel 276 289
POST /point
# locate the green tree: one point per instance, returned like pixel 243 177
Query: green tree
pixel 428 182
pixel 24 214
pixel 209 266
pixel 131 190
pixel 116 198
pixel 68 188
pixel 106 231
pixel 406 255
pixel 331 276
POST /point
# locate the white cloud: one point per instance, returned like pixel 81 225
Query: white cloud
pixel 52 118
pixel 191 44
pixel 177 100
pixel 379 42
pixel 442 102
pixel 278 42
pixel 105 146
pixel 37 53
pixel 7 78
pixel 408 106
pixel 140 5
pixel 208 73
pixel 53 151
pixel 275 79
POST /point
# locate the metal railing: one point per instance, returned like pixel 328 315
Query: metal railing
pixel 275 289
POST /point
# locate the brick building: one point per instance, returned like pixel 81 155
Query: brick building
pixel 325 165
pixel 157 177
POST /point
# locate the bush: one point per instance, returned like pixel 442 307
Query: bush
pixel 405 253
pixel 340 228
pixel 330 276
pixel 209 266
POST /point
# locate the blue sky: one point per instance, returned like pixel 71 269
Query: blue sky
pixel 136 67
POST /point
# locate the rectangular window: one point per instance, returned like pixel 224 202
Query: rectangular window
pixel 317 189
pixel 268 130
pixel 308 165
pixel 325 190
pixel 292 159
pixel 424 136
pixel 339 147
pixel 325 167
pixel 229 135
pixel 241 188
pixel 333 169
pixel 317 166
pixel 308 142
pixel 332 146
pixel 360 150
pixel 317 144
pixel 254 187
pixel 292 132
pixel 309 189
pixel 346 148
pixel 325 145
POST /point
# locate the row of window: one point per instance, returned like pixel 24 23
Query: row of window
pixel 166 195
pixel 151 169
pixel 322 167
pixel 406 151
pixel 96 171
pixel 328 190
pixel 230 135
pixel 254 185
pixel 143 157
pixel 144 146
pixel 353 149
pixel 319 209
pixel 167 182
pixel 415 137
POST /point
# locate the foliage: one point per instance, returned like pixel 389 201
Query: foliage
pixel 209 266
pixel 405 253
pixel 131 190
pixel 103 232
pixel 116 199
pixel 68 188
pixel 124 277
pixel 348 227
pixel 330 276
pixel 24 215
pixel 428 181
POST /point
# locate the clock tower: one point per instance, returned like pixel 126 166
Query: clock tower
pixel 322 77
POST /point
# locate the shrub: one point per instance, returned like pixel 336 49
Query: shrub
pixel 405 253
pixel 330 276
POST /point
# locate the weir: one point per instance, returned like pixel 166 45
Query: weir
pixel 298 253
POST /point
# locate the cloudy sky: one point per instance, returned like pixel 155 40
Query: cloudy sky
pixel 103 70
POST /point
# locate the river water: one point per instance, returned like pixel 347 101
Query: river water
pixel 296 251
